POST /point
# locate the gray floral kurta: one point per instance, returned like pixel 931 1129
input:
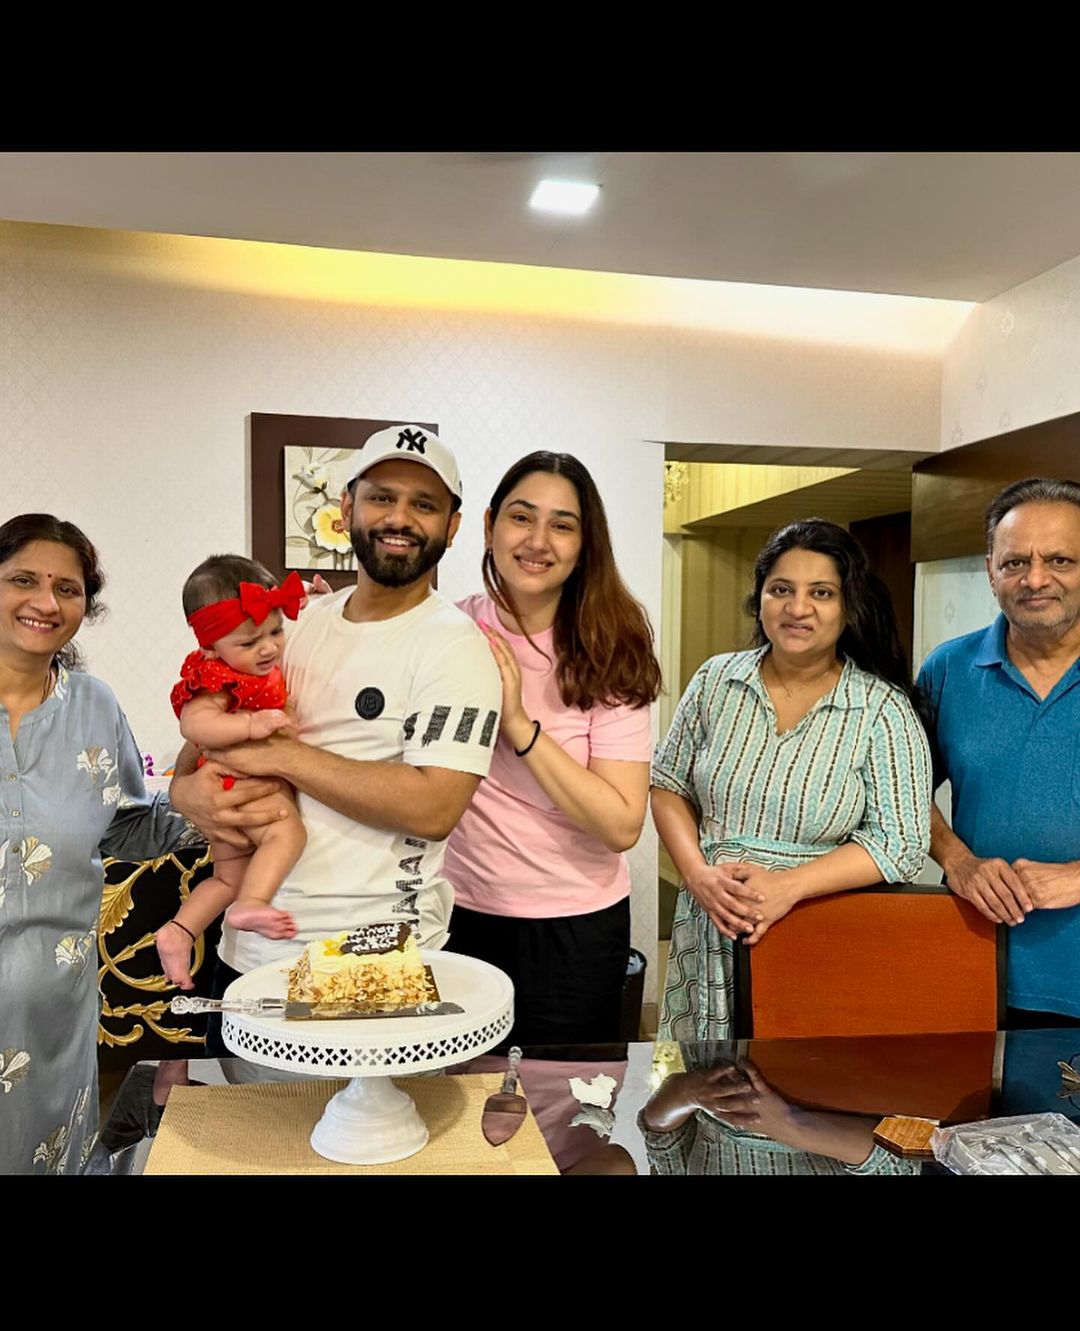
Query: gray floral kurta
pixel 71 791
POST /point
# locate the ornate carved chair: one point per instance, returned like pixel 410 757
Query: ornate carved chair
pixel 135 1021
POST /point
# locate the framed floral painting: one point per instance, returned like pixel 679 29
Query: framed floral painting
pixel 315 536
pixel 299 467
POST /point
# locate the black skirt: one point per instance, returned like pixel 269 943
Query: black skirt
pixel 568 973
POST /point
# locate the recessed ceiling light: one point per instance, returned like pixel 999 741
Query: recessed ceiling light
pixel 564 196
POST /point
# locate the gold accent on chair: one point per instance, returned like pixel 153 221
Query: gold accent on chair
pixel 150 1012
pixel 117 902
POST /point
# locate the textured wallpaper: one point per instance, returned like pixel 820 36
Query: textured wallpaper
pixel 1014 361
pixel 952 597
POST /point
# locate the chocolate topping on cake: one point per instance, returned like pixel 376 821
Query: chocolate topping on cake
pixel 377 939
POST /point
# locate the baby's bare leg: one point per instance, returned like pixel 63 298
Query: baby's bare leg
pixel 206 902
pixel 278 846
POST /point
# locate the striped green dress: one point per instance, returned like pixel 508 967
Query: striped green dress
pixel 855 769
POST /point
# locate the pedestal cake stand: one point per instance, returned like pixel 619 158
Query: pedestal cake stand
pixel 371 1121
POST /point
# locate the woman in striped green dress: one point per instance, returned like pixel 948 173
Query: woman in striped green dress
pixel 793 770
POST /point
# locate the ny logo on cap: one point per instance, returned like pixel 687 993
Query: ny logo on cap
pixel 414 441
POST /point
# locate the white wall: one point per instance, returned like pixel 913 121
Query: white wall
pixel 127 369
pixel 776 390
pixel 1014 361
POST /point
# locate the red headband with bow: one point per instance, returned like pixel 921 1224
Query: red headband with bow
pixel 254 602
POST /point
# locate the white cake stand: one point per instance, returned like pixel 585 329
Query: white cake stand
pixel 371 1122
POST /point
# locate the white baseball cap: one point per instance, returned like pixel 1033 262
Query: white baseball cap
pixel 414 444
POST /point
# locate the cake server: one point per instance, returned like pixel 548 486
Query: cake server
pixel 504 1111
pixel 278 1007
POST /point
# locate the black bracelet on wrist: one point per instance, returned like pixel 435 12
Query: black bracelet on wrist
pixel 536 731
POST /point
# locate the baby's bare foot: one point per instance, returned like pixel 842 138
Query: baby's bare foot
pixel 174 948
pixel 261 919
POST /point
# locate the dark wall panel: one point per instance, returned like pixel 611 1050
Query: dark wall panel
pixel 950 492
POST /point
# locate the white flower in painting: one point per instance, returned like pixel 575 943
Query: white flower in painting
pixel 313 476
pixel 111 795
pixel 330 530
pixel 72 951
pixel 36 859
pixel 13 1066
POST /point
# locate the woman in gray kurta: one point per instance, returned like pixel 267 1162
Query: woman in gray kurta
pixel 71 791
pixel 847 784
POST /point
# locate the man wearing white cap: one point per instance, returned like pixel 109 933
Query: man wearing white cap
pixel 397 699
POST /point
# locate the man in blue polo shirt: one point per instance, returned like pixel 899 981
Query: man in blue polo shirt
pixel 1006 703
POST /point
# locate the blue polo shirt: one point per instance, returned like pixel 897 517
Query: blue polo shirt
pixel 1014 762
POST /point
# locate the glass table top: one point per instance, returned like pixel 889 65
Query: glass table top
pixel 749 1107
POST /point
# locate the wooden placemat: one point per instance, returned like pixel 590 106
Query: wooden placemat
pixel 265 1128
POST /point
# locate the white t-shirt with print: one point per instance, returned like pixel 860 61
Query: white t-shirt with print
pixel 421 688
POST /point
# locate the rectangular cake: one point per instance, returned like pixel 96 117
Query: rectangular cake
pixel 374 966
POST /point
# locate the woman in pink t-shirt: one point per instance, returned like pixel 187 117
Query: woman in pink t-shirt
pixel 541 884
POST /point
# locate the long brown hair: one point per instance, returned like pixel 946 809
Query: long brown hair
pixel 603 639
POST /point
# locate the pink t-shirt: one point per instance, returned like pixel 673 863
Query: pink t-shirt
pixel 515 853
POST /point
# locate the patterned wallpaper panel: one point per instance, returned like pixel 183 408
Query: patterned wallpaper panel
pixel 1014 361
pixel 952 597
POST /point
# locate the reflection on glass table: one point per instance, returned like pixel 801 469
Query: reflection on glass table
pixel 720 1116
pixel 756 1107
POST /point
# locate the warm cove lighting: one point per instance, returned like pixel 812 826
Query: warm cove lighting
pixel 564 196
pixel 260 269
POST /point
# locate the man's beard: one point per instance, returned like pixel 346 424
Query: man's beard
pixel 396 570
pixel 1055 625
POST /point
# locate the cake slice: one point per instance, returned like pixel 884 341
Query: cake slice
pixel 374 966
